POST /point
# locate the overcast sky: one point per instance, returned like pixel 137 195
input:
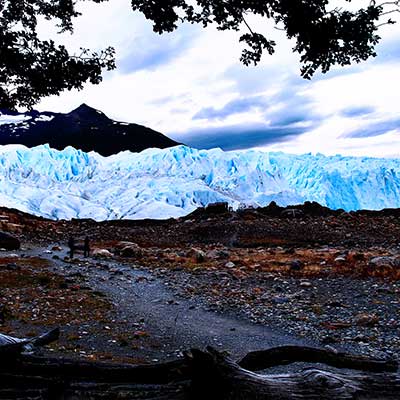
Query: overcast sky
pixel 191 86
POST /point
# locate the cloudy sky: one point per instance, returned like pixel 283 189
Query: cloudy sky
pixel 191 86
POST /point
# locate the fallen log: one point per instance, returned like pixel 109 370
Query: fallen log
pixel 218 377
pixel 264 359
pixel 200 375
pixel 12 346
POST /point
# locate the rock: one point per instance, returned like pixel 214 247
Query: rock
pixel 230 264
pixel 56 248
pixel 12 255
pixel 361 338
pixel 140 334
pixel 131 250
pixel 334 303
pixel 197 255
pixel 305 284
pixel 365 319
pixel 292 213
pixel 217 254
pixel 217 208
pixel 384 261
pixel 14 228
pixel 296 265
pixel 280 300
pixel 122 244
pixel 278 288
pixel 12 267
pixel 329 340
pixel 9 242
pixel 101 253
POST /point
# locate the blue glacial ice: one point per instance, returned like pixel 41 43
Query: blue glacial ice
pixel 173 182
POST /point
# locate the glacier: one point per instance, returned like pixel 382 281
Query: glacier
pixel 173 182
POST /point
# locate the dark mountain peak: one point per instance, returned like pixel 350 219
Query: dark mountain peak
pixel 86 112
pixel 84 128
pixel 84 108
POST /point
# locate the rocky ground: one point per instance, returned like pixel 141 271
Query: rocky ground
pixel 239 281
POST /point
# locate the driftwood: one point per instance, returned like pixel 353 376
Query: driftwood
pixel 261 360
pixel 10 345
pixel 200 375
pixel 232 382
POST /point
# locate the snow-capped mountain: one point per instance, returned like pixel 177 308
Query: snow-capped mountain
pixel 84 128
pixel 173 182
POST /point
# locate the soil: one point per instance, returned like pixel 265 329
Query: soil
pixel 239 281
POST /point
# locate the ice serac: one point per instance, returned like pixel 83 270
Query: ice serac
pixel 173 182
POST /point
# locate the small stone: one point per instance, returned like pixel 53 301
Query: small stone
pixel 197 255
pixel 296 265
pixel 361 338
pixel 217 254
pixel 366 319
pixel 12 255
pixel 230 264
pixel 280 300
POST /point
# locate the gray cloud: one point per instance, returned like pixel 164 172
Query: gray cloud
pixel 387 51
pixel 358 111
pixel 151 51
pixel 236 106
pixel 294 117
pixel 287 117
pixel 253 80
pixel 375 129
pixel 239 137
pixel 294 108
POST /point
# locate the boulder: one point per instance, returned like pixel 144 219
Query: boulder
pixel 122 244
pixel 384 261
pixel 197 255
pixel 101 253
pixel 217 254
pixel 217 208
pixel 9 242
pixel 132 250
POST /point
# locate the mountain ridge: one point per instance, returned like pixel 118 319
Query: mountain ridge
pixel 83 128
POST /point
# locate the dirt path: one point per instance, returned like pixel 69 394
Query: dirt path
pixel 173 324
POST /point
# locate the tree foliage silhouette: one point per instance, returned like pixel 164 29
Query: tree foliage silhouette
pixel 31 68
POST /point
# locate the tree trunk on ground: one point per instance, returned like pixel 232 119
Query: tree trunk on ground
pixel 215 375
pixel 201 375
